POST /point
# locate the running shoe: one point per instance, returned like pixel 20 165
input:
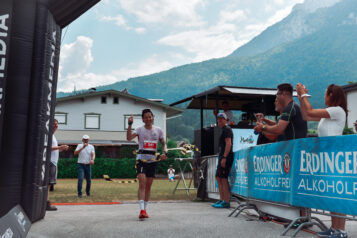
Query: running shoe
pixel 143 214
pixel 223 204
pixel 338 234
pixel 326 233
pixel 215 204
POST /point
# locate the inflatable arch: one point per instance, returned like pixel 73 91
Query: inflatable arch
pixel 30 38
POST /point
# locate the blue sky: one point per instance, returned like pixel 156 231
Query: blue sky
pixel 120 39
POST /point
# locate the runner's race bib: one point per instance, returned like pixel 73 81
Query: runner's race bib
pixel 150 145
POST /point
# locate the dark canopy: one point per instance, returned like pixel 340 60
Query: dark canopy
pixel 245 99
pixel 66 11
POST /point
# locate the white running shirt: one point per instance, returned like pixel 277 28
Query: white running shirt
pixel 148 140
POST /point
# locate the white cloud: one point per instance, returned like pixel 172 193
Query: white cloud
pixel 233 29
pixel 148 66
pixel 236 15
pixel 119 20
pixel 178 13
pixel 279 2
pixel 213 42
pixel 177 24
pixel 205 44
pixel 76 59
pixel 140 30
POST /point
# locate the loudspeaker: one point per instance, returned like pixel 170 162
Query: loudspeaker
pixel 207 140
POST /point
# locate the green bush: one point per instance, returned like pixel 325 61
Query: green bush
pixel 115 168
pixel 348 131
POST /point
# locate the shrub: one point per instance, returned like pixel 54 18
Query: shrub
pixel 115 168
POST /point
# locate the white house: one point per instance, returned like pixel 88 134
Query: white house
pixel 351 93
pixel 103 115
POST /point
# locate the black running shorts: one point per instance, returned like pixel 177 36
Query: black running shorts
pixel 148 169
pixel 223 172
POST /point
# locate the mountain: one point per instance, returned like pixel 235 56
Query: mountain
pixel 316 45
pixel 301 22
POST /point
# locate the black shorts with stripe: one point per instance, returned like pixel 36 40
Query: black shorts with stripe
pixel 149 169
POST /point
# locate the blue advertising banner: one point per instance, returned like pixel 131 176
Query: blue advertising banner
pixel 312 172
pixel 326 174
pixel 239 173
pixel 270 175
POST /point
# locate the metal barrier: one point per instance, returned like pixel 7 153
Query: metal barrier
pixel 212 190
pixel 288 212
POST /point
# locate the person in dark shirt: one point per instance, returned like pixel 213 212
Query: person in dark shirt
pixel 263 137
pixel 291 123
pixel 225 161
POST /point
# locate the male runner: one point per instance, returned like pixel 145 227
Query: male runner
pixel 148 137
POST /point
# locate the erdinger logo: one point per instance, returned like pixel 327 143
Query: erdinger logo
pixel 286 162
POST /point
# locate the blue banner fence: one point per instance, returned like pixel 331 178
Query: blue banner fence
pixel 318 173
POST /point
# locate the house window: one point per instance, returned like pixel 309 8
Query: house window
pixel 104 99
pixel 91 121
pixel 61 117
pixel 138 121
pixel 115 100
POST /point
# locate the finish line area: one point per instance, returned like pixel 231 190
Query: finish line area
pixel 167 219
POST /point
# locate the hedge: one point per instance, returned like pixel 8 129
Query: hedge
pixel 115 168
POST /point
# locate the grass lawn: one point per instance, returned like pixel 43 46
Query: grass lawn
pixel 106 191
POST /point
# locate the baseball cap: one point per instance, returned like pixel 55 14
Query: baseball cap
pixel 86 137
pixel 222 115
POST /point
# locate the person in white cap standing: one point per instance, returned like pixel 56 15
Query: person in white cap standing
pixel 86 157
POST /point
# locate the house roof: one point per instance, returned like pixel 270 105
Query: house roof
pixel 66 11
pixel 171 111
pixel 246 99
pixel 350 87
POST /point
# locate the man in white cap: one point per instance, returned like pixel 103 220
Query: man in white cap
pixel 86 157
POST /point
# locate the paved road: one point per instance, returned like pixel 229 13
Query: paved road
pixel 167 219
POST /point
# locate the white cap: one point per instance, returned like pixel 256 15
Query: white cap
pixel 86 137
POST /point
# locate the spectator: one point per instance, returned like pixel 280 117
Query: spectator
pixel 355 124
pixel 331 123
pixel 225 161
pixel 229 114
pixel 244 123
pixel 265 137
pixel 291 123
pixel 86 157
pixel 53 164
pixel 171 174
